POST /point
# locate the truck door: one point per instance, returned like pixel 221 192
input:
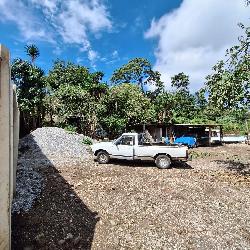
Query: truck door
pixel 125 147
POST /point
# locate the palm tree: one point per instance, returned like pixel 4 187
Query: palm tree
pixel 32 51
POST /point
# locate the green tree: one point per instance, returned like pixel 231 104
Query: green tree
pixel 180 82
pixel 138 71
pixel 67 73
pixel 123 106
pixel 32 51
pixel 200 99
pixel 164 104
pixel 229 84
pixel 76 93
pixel 31 93
pixel 184 108
pixel 75 103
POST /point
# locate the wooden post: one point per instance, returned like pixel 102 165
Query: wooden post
pixel 160 136
pixel 209 135
pixel 247 127
pixel 221 134
pixel 171 131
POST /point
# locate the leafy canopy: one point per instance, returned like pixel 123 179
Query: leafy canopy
pixel 124 105
pixel 229 84
pixel 138 71
pixel 67 73
pixel 30 84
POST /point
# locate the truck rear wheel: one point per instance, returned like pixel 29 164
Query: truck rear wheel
pixel 163 161
pixel 102 157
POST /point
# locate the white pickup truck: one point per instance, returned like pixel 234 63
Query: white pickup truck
pixel 131 146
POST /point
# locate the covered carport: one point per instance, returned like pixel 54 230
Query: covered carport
pixel 206 134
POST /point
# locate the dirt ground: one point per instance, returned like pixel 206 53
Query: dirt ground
pixel 204 204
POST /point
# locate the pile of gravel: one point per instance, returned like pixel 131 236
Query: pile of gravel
pixel 56 143
pixel 44 147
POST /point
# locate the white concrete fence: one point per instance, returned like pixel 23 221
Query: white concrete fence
pixel 9 137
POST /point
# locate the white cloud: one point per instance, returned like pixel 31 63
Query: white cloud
pixel 50 5
pixel 79 60
pixel 93 56
pixel 79 17
pixel 28 24
pixel 57 51
pixel 115 54
pixel 112 58
pixel 192 38
pixel 72 21
pixel 138 24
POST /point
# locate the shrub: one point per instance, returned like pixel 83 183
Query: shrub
pixel 71 129
pixel 87 140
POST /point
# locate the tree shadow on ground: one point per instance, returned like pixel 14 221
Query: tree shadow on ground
pixel 239 167
pixel 142 164
pixel 58 219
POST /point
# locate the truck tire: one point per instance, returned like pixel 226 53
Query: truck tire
pixel 102 157
pixel 163 161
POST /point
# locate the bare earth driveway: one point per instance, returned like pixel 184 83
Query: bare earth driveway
pixel 204 204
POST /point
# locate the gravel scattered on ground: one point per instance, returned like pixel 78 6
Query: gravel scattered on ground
pixel 43 148
pixel 204 204
pixel 29 184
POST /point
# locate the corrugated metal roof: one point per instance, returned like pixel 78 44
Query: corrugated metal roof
pixel 198 125
pixel 184 124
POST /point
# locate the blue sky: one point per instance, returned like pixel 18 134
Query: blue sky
pixel 175 35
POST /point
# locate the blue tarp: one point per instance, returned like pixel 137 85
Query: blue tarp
pixel 167 141
pixel 186 140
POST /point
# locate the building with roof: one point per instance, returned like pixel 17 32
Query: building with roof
pixel 205 134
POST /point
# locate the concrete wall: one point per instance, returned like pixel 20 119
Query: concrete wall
pixel 9 135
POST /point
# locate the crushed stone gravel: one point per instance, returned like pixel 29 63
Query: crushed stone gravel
pixel 43 148
pixel 29 184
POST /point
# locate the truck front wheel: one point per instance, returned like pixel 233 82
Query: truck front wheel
pixel 163 161
pixel 102 157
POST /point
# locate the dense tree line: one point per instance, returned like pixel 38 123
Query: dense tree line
pixel 72 96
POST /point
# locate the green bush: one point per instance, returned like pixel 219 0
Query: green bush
pixel 70 129
pixel 87 140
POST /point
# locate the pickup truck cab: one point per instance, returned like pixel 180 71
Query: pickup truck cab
pixel 132 146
